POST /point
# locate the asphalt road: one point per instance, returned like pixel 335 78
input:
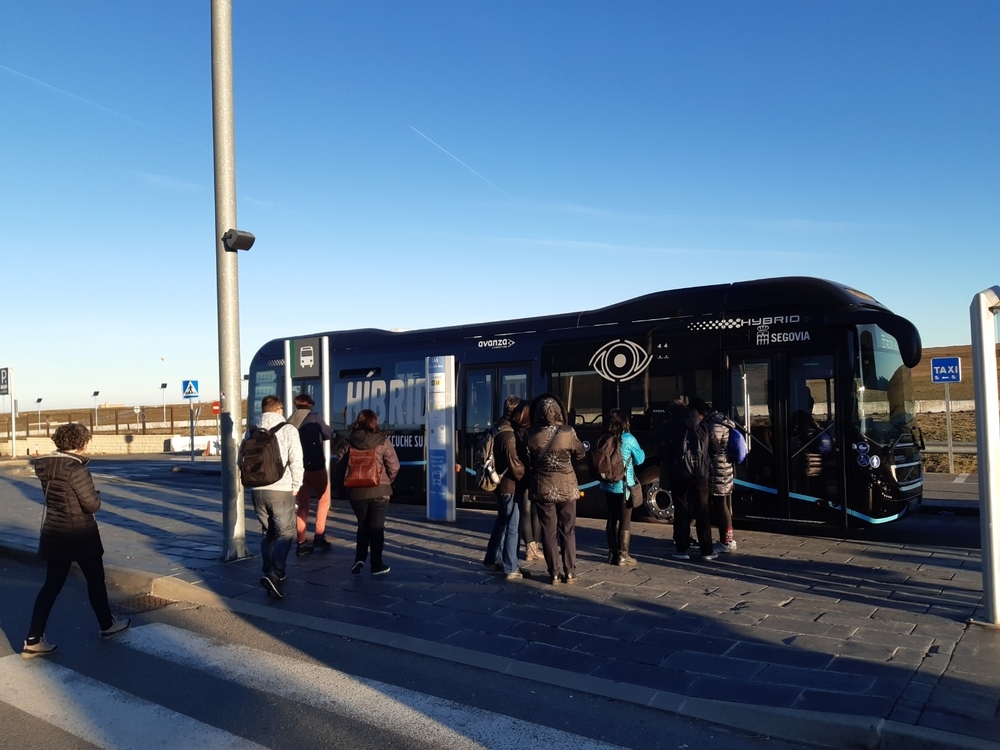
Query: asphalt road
pixel 310 689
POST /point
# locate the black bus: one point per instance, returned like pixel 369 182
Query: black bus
pixel 816 374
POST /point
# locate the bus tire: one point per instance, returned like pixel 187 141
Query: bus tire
pixel 657 505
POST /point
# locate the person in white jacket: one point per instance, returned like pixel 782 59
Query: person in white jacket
pixel 275 503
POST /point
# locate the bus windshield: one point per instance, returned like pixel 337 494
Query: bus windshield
pixel 883 387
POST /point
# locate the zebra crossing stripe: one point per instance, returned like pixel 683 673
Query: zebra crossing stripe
pixel 404 712
pixel 103 715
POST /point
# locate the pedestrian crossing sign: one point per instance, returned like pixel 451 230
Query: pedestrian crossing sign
pixel 190 388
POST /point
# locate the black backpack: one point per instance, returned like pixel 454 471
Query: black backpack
pixel 691 464
pixel 260 458
pixel 606 459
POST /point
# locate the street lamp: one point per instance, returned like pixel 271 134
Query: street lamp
pixel 38 403
pixel 163 389
pixel 96 394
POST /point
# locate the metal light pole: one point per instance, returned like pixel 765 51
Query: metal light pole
pixel 163 389
pixel 224 140
pixel 38 405
pixel 984 311
pixel 96 394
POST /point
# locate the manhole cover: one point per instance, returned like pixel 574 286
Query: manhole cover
pixel 139 603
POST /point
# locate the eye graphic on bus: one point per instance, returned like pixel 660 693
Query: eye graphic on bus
pixel 620 360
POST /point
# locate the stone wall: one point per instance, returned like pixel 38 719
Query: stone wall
pixel 99 445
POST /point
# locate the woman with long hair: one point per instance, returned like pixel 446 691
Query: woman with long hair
pixel 365 471
pixel 617 494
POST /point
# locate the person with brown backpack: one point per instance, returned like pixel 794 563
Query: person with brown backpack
pixel 365 471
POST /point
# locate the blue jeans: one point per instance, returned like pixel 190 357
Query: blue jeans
pixel 502 549
pixel 276 512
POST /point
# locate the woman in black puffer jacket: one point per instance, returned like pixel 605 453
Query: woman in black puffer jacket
pixel 69 534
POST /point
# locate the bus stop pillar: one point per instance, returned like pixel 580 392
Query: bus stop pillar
pixel 984 309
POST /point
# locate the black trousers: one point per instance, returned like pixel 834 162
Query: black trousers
pixel 55 578
pixel 558 534
pixel 371 528
pixel 692 503
pixel 531 528
pixel 619 520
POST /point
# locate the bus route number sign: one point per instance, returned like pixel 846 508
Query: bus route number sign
pixel 946 370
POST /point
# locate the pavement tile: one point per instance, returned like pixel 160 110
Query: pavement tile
pixel 626 651
pixel 880 670
pixel 431 631
pixel 669 680
pixel 620 630
pixel 816 679
pixel 532 614
pixel 891 638
pixel 679 640
pixel 559 658
pixel 832 630
pixel 843 703
pixel 743 691
pixel 712 664
pixel 786 655
pixel 419 610
pixel 948 722
pixel 499 645
pixel 476 621
pixel 536 633
pixel 906 713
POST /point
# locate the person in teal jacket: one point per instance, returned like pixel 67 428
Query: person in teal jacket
pixel 617 493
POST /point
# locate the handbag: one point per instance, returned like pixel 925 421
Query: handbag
pixel 633 498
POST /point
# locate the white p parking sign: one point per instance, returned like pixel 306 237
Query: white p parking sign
pixel 4 382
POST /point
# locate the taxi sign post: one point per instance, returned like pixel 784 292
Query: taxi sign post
pixel 947 370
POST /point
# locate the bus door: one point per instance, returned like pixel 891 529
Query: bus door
pixel 761 490
pixel 785 403
pixel 814 475
pixel 485 390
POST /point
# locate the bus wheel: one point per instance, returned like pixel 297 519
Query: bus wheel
pixel 658 505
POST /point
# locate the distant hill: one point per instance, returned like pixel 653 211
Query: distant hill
pixel 924 389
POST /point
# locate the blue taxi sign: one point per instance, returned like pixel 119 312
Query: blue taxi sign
pixel 946 370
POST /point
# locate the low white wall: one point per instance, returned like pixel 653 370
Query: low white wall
pixel 117 445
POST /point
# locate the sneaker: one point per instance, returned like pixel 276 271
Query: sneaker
pixel 117 627
pixel 681 556
pixel 513 576
pixel 320 542
pixel 713 556
pixel 381 570
pixel 42 648
pixel 273 586
pixel 358 567
pixel 726 546
pixel 302 549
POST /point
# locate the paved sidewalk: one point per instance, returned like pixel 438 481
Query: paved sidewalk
pixel 840 643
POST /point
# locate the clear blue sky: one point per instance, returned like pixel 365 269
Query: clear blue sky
pixel 406 165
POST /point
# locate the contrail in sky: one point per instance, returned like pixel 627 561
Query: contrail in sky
pixel 464 165
pixel 99 106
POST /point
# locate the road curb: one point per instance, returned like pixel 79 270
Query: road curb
pixel 842 731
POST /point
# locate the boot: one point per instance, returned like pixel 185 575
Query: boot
pixel 614 557
pixel 626 558
pixel 533 552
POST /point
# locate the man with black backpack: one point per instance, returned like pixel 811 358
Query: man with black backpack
pixel 275 501
pixel 689 469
